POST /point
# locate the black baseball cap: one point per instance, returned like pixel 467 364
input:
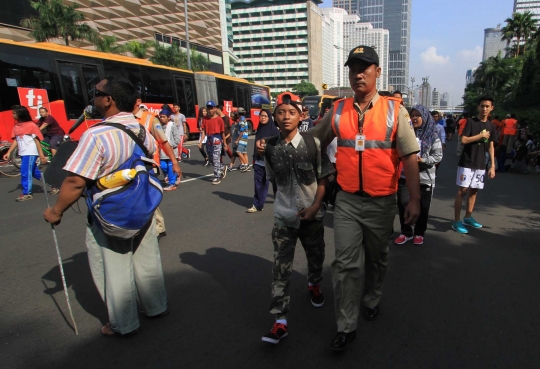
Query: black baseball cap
pixel 363 53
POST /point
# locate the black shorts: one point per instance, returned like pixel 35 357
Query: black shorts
pixel 53 141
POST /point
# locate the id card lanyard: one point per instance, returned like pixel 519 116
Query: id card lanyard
pixel 360 140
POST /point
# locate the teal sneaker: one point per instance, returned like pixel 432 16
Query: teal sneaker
pixel 459 227
pixel 471 222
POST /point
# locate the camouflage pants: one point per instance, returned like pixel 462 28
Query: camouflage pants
pixel 311 236
pixel 213 148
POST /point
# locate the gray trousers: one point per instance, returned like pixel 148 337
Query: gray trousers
pixel 509 141
pixel 129 274
pixel 362 228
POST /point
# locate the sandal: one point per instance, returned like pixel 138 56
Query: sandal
pixel 107 331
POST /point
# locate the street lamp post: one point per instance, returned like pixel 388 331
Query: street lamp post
pixel 187 36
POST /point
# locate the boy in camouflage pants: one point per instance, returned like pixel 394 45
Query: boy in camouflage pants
pixel 299 169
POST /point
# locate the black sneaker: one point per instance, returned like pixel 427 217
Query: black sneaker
pixel 370 313
pixel 341 340
pixel 277 332
pixel 248 167
pixel 317 298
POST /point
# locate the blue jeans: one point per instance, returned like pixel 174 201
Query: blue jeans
pixel 167 167
pixel 261 186
pixel 29 169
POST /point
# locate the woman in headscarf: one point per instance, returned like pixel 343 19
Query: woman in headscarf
pixel 203 114
pixel 430 154
pixel 266 128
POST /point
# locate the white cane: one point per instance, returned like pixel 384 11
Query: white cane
pixel 59 259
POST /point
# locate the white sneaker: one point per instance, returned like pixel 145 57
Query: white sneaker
pixel 252 209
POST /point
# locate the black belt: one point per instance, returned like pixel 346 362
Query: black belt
pixel 362 194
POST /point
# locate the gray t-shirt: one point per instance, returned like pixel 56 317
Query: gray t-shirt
pixel 296 183
pixel 179 120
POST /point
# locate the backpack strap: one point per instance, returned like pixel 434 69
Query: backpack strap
pixel 270 143
pixel 312 149
pixel 130 133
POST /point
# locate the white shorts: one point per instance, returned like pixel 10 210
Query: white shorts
pixel 473 178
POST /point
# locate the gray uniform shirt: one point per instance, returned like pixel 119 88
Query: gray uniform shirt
pixel 295 180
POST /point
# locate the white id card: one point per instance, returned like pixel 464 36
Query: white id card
pixel 359 142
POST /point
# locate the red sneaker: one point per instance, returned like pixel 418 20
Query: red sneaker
pixel 277 332
pixel 402 239
pixel 418 240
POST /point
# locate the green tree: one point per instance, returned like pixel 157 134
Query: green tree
pixel 520 26
pixel 108 44
pixel 305 89
pixel 171 56
pixel 199 62
pixel 138 49
pixel 57 20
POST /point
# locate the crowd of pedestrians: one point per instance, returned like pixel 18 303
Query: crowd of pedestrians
pixel 367 156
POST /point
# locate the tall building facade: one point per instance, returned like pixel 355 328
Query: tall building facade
pixel 350 6
pixel 143 20
pixel 356 33
pixel 533 6
pixel 425 93
pixel 469 76
pixel 395 16
pixel 278 43
pixel 493 45
pixel 333 58
pixel 435 100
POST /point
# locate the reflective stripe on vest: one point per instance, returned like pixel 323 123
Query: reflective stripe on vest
pixel 369 144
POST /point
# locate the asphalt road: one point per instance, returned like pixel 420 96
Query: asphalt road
pixel 458 301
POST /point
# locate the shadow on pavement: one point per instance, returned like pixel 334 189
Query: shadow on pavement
pixel 241 200
pixel 79 279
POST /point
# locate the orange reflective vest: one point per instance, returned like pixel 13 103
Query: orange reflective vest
pixel 510 127
pixel 146 120
pixel 377 174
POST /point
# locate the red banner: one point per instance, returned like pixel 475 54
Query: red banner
pixel 33 99
pixel 227 108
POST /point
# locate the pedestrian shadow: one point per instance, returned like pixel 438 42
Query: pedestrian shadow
pixel 35 188
pixel 79 278
pixel 246 280
pixel 243 201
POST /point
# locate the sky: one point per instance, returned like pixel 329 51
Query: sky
pixel 447 39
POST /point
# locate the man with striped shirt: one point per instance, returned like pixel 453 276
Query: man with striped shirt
pixel 115 264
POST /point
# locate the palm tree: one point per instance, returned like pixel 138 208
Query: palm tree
pixel 520 26
pixel 138 49
pixel 107 44
pixel 57 20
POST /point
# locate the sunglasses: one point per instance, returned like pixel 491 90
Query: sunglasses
pixel 209 107
pixel 98 93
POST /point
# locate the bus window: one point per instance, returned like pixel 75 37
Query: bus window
pixel 190 99
pixel 243 98
pixel 130 72
pixel 225 91
pixel 78 82
pixel 91 79
pixel 72 90
pixel 157 86
pixel 186 96
pixel 19 71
